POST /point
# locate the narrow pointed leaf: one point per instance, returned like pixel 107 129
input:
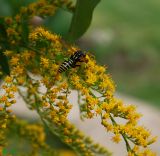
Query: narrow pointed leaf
pixel 82 18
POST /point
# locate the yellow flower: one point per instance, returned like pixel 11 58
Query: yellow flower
pixel 1 108
pixel 106 116
pixel 68 140
pixel 8 79
pixel 54 68
pixel 46 104
pixel 7 104
pixel 4 125
pixel 44 62
pixel 135 149
pixel 13 88
pixel 131 154
pixel 8 53
pixel 91 78
pixel 26 55
pixel 116 138
pixel 20 80
pixel 42 33
pixel 108 106
pixel 17 70
pixel 85 91
pixel 3 98
pixel 11 31
pixel 109 127
pixel 104 105
pixel 72 50
pixel 92 101
pixel 98 110
pixel 90 63
pixel 147 152
pixel 154 139
pixel 11 95
pixel 9 110
pixel 75 79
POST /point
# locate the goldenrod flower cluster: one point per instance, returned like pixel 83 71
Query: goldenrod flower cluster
pixel 31 135
pixel 6 100
pixel 96 95
pixel 34 59
pixel 64 4
pixel 17 26
pixel 52 105
pixel 56 103
pixel 40 8
pixel 97 98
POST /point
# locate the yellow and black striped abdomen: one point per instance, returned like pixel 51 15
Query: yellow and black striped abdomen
pixel 71 63
pixel 66 65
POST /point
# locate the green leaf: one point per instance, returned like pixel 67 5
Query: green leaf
pixel 3 39
pixel 81 18
pixel 3 33
pixel 4 64
pixel 25 31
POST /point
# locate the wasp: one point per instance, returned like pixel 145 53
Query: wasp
pixel 72 61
